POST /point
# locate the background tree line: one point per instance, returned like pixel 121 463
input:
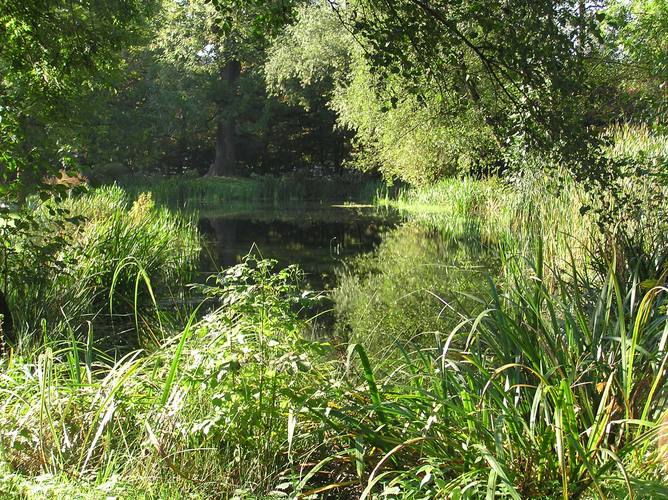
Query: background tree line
pixel 416 90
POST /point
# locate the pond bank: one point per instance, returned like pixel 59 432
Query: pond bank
pixel 461 370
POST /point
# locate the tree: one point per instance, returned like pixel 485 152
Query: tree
pixel 152 118
pixel 442 88
pixel 52 52
pixel 519 63
pixel 227 46
pixel 407 129
pixel 637 36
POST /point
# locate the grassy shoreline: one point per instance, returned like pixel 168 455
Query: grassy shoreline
pixel 241 404
pixel 552 388
pixel 202 192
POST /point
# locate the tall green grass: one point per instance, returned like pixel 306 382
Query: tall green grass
pixel 550 383
pixel 112 234
pixel 222 191
pixel 543 394
pixel 637 140
pixel 457 197
pixel 208 413
pixel 521 209
pixel 637 202
pixel 625 218
pixel 547 392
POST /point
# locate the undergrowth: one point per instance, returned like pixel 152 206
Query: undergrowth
pixel 62 267
pixel 543 393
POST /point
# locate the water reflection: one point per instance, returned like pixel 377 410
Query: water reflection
pixel 421 281
pixel 318 237
pixel 392 280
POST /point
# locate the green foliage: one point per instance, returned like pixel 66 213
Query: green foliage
pixel 61 270
pixel 52 53
pixel 256 287
pixel 436 90
pixel 638 30
pixel 163 115
pixel 414 138
pixel 545 381
pixel 223 191
pixel 546 392
pixel 256 363
pixel 517 64
pixel 231 390
pixel 312 52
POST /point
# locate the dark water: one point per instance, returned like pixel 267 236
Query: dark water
pixel 392 280
pixel 318 237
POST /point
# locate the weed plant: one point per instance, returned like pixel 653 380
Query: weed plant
pixel 547 392
pixel 543 394
pixel 110 242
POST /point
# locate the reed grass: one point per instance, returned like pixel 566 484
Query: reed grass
pixel 548 391
pixel 551 385
pixel 520 209
pixel 625 219
pixel 219 192
pixel 66 298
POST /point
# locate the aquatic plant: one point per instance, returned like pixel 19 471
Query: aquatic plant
pixel 546 392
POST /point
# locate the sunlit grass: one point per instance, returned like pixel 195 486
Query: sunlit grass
pixel 222 191
pixel 63 300
pixel 547 381
pixel 543 393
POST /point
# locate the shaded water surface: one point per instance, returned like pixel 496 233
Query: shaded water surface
pixel 317 237
pixel 392 280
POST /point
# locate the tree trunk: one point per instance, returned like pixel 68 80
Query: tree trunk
pixel 225 162
pixel 226 239
pixel 5 324
pixel 582 28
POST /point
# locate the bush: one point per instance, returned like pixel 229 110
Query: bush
pixel 212 411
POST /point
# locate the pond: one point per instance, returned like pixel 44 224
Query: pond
pixel 318 237
pixel 389 276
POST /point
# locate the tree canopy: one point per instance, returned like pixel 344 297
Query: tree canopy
pixel 53 52
pixel 415 90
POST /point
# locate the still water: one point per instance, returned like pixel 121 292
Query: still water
pixel 318 237
pixel 391 278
